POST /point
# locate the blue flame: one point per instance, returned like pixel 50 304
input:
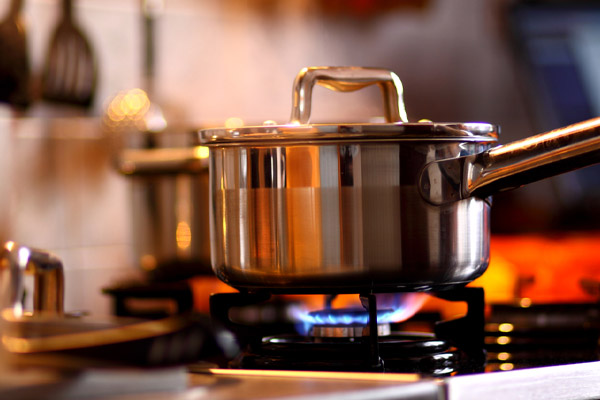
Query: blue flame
pixel 394 307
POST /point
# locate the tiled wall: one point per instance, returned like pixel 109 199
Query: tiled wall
pixel 60 193
pixel 217 59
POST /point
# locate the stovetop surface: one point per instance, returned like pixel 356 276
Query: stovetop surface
pixel 543 352
pixel 574 381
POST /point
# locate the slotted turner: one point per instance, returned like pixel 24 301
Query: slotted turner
pixel 70 72
pixel 14 61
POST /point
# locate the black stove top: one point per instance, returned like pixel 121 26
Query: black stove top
pixel 495 337
pixel 541 335
pixel 454 346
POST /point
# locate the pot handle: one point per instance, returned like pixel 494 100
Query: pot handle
pixel 15 262
pixel 190 160
pixel 512 165
pixel 347 79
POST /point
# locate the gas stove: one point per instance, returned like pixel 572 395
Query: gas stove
pixel 364 339
pixel 499 351
pixel 523 349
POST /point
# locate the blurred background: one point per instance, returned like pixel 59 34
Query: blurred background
pixel 526 66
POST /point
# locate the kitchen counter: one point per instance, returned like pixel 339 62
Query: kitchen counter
pixel 24 383
pixel 563 382
pixel 355 386
pixel 177 384
pixel 576 381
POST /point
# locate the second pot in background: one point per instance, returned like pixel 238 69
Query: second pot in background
pixel 169 210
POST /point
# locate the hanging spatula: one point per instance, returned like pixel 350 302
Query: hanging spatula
pixel 14 61
pixel 70 72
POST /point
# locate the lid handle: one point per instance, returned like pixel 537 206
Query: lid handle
pixel 347 79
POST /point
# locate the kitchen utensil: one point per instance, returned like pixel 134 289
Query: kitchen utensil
pixel 170 210
pixel 47 269
pixel 367 207
pixel 154 121
pixel 70 72
pixel 14 63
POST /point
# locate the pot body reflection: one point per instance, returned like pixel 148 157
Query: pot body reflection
pixel 344 216
pixel 170 225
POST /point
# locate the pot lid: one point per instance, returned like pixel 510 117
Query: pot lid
pixel 345 79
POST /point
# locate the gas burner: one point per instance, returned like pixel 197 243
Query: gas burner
pixel 347 331
pixel 343 323
pixel 362 343
pixel 400 352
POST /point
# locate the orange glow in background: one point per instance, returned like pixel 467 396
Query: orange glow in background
pixel 543 268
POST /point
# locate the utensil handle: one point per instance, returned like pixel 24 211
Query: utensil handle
pixel 67 8
pixel 15 8
pixel 15 261
pixel 163 161
pixel 513 165
pixel 347 79
pixel 538 157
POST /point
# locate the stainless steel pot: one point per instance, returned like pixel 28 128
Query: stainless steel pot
pixel 358 207
pixel 170 210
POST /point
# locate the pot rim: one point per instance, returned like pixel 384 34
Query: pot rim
pixel 375 132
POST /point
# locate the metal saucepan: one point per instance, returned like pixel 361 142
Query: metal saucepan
pixel 367 207
pixel 170 210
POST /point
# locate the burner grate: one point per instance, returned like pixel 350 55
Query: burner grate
pixel 455 345
pixel 409 353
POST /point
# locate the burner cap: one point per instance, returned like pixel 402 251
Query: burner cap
pixel 345 323
pixel 347 331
